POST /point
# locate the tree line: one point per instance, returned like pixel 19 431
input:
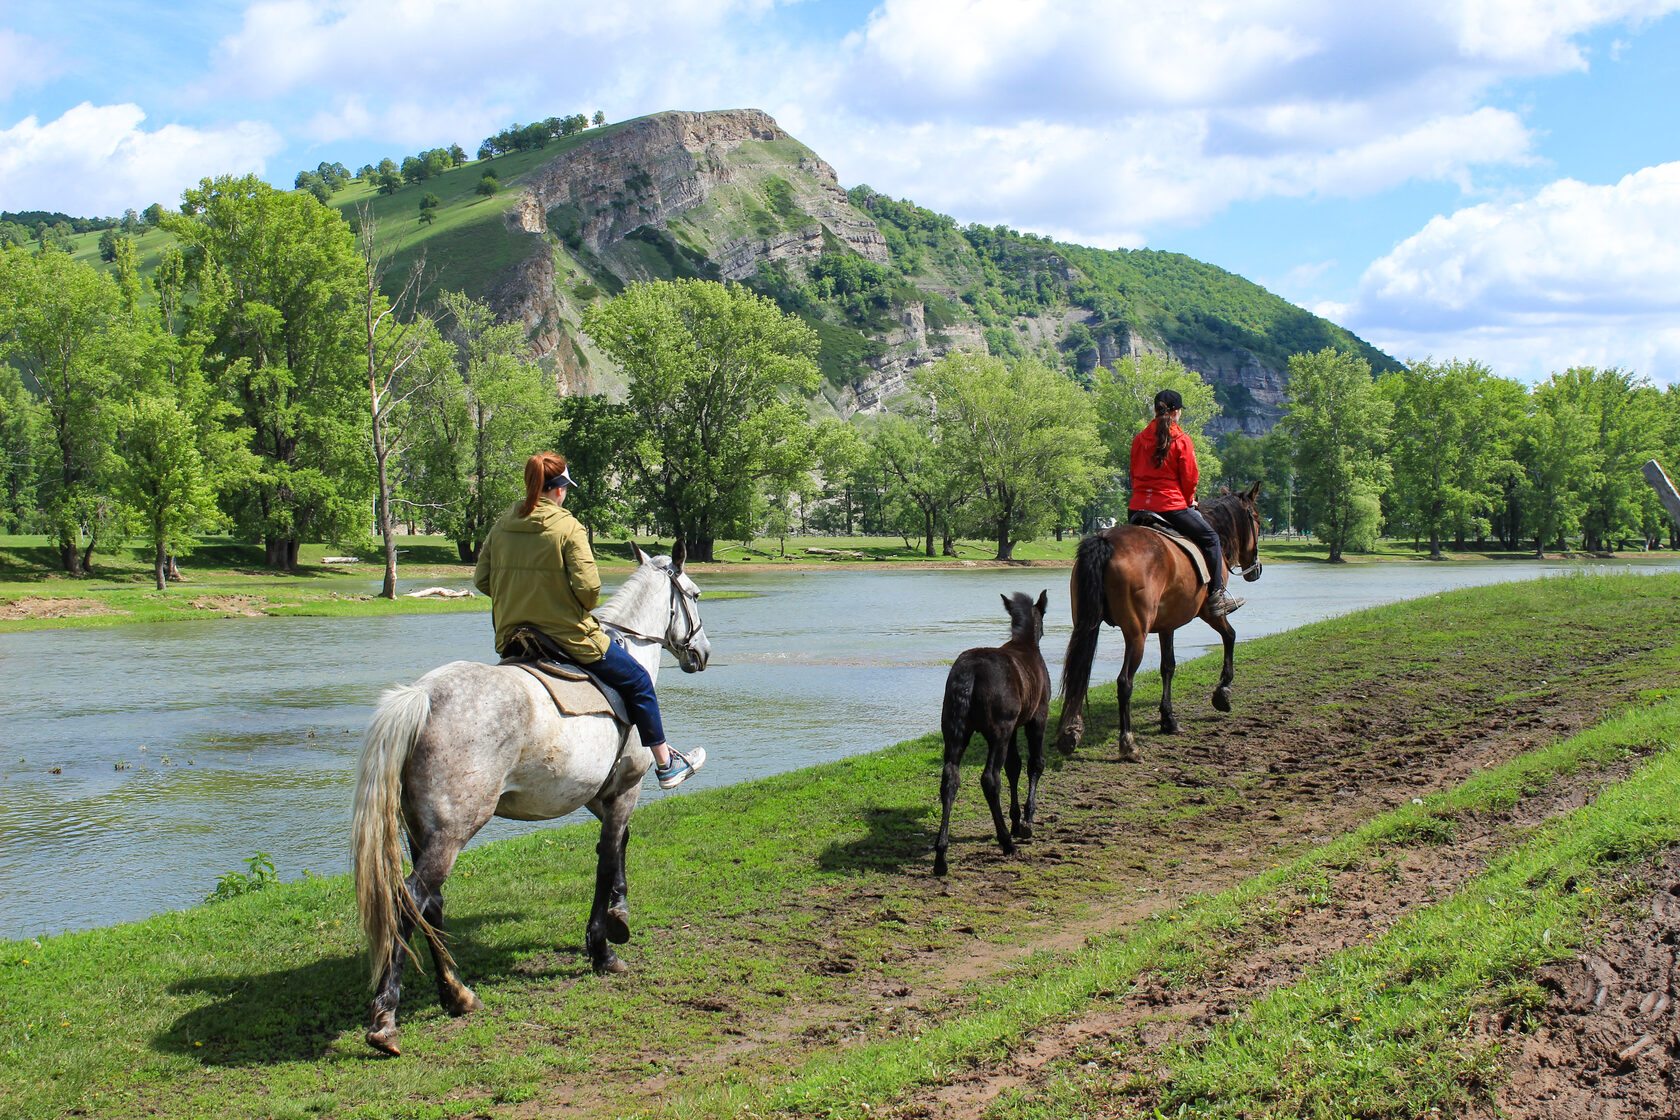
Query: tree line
pixel 274 380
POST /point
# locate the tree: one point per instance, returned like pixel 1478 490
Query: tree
pixel 1555 453
pixel 1024 434
pixel 108 244
pixel 393 338
pixel 1626 415
pixel 130 223
pixel 488 186
pixel 922 480
pixel 1339 424
pixel 709 369
pixel 22 441
pixel 164 477
pixel 1125 398
pixel 276 276
pixel 428 207
pixel 587 433
pixel 153 214
pixel 1448 448
pixel 598 119
pixel 61 327
pixel 457 155
pixel 477 426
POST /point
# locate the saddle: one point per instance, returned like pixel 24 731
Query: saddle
pixel 1155 523
pixel 575 690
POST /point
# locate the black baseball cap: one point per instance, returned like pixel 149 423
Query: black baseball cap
pixel 1169 400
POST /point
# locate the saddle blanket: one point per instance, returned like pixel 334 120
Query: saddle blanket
pixel 1197 560
pixel 575 692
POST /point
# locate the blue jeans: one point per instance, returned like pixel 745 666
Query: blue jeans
pixel 1192 524
pixel 623 673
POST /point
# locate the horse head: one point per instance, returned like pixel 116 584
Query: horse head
pixel 1026 618
pixel 683 634
pixel 1248 543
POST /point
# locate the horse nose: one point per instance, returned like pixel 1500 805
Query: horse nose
pixel 1255 574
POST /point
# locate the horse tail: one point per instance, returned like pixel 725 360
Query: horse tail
pixel 1090 568
pixel 377 825
pixel 954 722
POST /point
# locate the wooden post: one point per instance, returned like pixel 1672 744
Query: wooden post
pixel 1666 493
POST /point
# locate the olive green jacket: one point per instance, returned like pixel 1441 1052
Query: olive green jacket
pixel 539 571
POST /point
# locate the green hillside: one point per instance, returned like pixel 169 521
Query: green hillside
pixel 765 202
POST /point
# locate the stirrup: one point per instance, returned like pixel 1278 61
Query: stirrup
pixel 1223 602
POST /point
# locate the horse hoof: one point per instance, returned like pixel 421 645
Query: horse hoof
pixel 618 924
pixel 1022 831
pixel 1128 748
pixel 1222 699
pixel 611 966
pixel 384 1040
pixel 464 1003
pixel 1169 726
pixel 1067 742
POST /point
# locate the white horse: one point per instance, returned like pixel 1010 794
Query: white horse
pixel 469 741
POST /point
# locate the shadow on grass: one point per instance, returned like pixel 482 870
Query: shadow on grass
pixel 896 836
pixel 295 1014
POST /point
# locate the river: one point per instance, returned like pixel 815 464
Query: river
pixel 138 763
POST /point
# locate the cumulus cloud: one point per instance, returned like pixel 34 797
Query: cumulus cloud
pixel 1577 273
pixel 99 160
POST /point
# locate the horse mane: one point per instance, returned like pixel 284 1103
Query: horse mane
pixel 1221 512
pixel 631 601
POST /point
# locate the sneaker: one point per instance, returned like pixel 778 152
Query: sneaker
pixel 681 766
pixel 1222 602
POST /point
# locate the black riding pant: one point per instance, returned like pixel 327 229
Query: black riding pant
pixel 1192 524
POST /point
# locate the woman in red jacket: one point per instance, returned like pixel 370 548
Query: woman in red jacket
pixel 1164 477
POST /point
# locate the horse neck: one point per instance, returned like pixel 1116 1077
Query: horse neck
pixel 639 607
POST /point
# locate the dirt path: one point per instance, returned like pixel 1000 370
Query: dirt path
pixel 1307 756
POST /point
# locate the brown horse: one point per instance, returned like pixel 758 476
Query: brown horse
pixel 1136 579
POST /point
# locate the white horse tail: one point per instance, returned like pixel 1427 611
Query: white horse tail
pixel 377 824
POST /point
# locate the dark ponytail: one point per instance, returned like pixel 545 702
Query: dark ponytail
pixel 1163 435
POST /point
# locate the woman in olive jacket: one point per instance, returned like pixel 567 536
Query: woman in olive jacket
pixel 538 569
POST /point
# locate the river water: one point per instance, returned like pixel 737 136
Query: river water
pixel 139 763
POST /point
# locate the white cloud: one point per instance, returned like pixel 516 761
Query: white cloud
pixel 1579 273
pixel 97 160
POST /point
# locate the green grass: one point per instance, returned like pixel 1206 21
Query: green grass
pixel 254 1006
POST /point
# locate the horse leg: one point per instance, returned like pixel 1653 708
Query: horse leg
pixel 1228 672
pixel 1012 767
pixel 388 992
pixel 1035 767
pixel 956 744
pixel 430 870
pixel 609 913
pixel 1123 691
pixel 1168 665
pixel 991 783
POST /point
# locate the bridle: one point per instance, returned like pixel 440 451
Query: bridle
pixel 681 603
pixel 1254 529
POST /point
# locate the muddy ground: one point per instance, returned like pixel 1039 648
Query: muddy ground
pixel 1309 753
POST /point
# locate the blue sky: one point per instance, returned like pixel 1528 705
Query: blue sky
pixel 1496 180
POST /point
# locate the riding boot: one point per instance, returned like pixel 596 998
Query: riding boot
pixel 1222 602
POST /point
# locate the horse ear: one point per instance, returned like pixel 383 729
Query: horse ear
pixel 1006 605
pixel 641 557
pixel 1043 602
pixel 1254 491
pixel 679 553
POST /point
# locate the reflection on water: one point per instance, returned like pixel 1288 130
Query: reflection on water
pixel 185 746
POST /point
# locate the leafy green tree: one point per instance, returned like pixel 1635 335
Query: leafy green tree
pixel 1338 422
pixel 1125 399
pixel 130 222
pixel 153 214
pixel 1449 448
pixel 923 481
pixel 164 477
pixel 598 119
pixel 61 326
pixel 1555 453
pixel 108 244
pixel 22 443
pixel 587 433
pixel 710 369
pixel 1024 434
pixel 478 426
pixel 1626 413
pixel 488 185
pixel 457 155
pixel 276 275
pixel 428 208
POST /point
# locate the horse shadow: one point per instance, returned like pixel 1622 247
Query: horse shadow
pixel 896 836
pixel 296 1014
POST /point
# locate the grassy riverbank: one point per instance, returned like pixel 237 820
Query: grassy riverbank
pixel 226 579
pixel 792 953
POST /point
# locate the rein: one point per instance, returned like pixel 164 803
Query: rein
pixel 679 601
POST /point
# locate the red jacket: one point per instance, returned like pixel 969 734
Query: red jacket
pixel 1170 486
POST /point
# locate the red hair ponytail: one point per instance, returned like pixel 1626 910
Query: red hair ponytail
pixel 539 468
